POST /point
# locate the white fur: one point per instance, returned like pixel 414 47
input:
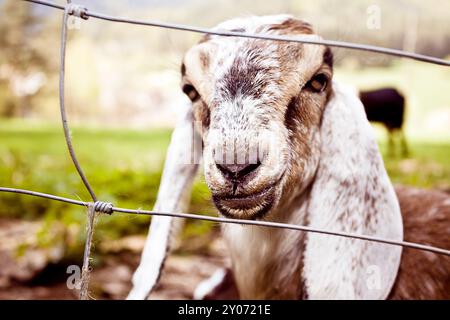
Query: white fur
pixel 173 196
pixel 336 267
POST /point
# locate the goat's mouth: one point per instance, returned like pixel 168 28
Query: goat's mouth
pixel 251 206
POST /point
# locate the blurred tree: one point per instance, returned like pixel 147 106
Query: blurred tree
pixel 23 64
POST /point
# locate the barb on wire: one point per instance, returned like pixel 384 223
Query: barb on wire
pixel 332 43
pixel 239 221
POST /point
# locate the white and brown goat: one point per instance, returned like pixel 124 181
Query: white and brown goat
pixel 323 170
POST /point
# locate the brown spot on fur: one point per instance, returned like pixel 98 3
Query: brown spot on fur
pixel 292 26
pixel 422 274
pixel 240 79
pixel 297 115
pixel 205 38
pixel 328 57
pixel 289 118
pixel 202 114
pixel 204 60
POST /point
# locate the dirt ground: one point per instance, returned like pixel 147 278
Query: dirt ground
pixel 180 277
pixel 35 275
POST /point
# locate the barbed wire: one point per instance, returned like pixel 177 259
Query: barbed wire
pixel 70 9
pixel 261 223
pixel 108 208
pixel 181 27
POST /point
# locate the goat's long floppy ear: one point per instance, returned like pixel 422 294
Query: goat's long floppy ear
pixel 351 193
pixel 173 196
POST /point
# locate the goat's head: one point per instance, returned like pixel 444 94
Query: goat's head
pixel 266 113
pixel 259 104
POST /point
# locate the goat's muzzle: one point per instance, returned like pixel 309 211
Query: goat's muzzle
pixel 251 206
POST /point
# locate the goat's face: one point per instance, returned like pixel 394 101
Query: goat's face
pixel 258 104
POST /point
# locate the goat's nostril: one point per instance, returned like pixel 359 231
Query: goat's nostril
pixel 237 171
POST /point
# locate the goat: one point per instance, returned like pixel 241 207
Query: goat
pixel 322 168
pixel 386 106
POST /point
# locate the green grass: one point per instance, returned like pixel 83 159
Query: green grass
pixel 124 167
pixel 426 166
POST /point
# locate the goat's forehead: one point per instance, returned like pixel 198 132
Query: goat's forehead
pixel 232 65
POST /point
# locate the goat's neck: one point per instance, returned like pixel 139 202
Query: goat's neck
pixel 260 255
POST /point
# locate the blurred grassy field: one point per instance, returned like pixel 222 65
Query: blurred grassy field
pixel 123 166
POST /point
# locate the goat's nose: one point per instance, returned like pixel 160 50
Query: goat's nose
pixel 237 171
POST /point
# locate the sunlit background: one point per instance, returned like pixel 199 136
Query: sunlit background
pixel 123 97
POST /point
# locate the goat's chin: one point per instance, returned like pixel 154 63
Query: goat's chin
pixel 253 206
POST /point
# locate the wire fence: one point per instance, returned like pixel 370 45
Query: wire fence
pixel 97 206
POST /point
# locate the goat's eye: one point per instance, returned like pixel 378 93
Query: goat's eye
pixel 190 91
pixel 318 83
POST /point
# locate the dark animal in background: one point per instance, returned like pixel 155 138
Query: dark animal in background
pixel 386 106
